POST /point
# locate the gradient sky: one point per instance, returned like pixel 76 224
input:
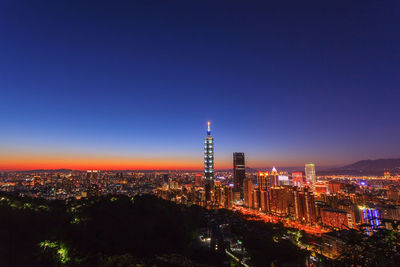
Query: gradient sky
pixel 131 84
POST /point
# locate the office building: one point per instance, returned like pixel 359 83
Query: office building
pixel 239 172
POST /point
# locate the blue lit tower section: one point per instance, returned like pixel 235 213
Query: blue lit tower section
pixel 209 155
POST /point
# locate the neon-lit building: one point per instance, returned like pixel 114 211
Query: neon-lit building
pixel 209 155
pixel 371 217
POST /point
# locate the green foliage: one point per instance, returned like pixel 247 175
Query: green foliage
pixel 265 244
pixel 107 231
pixel 382 248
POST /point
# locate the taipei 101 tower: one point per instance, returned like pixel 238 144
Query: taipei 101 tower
pixel 209 155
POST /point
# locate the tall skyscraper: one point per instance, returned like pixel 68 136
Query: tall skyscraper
pixel 239 172
pixel 310 173
pixel 209 155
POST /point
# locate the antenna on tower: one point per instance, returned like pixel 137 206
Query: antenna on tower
pixel 208 128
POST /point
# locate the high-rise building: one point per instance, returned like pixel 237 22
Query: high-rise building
pixel 263 180
pixel 247 190
pixel 256 198
pixel 209 155
pixel 311 216
pixel 264 201
pixel 228 197
pixel 310 173
pixel 304 205
pixel 239 172
pixel 274 177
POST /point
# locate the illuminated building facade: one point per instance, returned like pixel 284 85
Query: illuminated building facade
pixel 239 172
pixel 209 155
pixel 263 180
pixel 283 180
pixel 370 217
pixel 310 213
pixel 274 177
pixel 247 192
pixel 334 218
pixel 310 173
pixel 228 197
pixel 304 206
pixel 334 187
pixel 256 199
pixel 320 188
pixel 198 179
pixel 297 179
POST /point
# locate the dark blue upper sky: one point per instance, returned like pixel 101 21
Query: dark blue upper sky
pixel 286 82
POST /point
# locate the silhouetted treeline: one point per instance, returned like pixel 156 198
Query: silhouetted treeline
pixel 104 231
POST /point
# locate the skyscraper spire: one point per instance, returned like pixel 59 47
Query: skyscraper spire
pixel 209 155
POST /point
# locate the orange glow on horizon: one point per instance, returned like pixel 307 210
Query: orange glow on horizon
pixel 87 162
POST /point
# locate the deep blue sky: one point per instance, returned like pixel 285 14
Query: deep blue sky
pixel 286 82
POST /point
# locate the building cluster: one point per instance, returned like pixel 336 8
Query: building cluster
pixel 66 184
pixel 327 202
pixel 299 198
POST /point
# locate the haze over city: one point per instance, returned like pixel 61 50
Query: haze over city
pixel 131 85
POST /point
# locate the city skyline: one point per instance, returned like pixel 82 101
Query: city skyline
pixel 200 133
pixel 128 163
pixel 130 85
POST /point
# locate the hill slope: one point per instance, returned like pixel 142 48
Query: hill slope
pixel 374 165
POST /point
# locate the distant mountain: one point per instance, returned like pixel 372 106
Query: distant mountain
pixel 366 167
pixel 374 165
pixel 45 170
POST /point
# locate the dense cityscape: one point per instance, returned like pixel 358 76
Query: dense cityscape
pixel 199 133
pixel 323 208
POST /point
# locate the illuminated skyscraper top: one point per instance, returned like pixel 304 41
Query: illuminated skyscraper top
pixel 209 155
pixel 310 173
pixel 274 177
